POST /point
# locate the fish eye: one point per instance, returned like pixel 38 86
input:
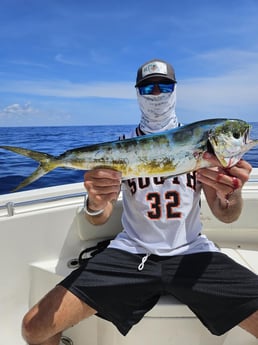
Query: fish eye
pixel 236 135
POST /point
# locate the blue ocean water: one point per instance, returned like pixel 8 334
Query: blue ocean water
pixel 55 140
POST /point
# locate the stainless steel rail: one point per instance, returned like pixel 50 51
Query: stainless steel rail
pixel 11 206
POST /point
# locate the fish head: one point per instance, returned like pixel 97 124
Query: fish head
pixel 230 140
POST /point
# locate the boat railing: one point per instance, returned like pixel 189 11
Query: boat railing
pixel 37 199
pixel 11 206
pixel 59 195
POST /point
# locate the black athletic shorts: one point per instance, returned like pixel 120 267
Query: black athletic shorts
pixel 218 290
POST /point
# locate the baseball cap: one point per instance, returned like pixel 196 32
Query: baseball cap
pixel 155 68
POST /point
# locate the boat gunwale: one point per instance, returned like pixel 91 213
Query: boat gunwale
pixel 69 192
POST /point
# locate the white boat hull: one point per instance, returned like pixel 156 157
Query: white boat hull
pixel 39 239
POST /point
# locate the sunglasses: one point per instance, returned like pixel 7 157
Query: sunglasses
pixel 164 88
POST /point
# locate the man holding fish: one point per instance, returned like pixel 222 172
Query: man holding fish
pixel 161 249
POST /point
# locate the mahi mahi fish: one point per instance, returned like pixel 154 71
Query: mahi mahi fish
pixel 170 153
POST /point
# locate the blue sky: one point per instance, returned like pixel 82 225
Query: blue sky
pixel 73 62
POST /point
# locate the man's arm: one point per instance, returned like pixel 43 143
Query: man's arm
pixel 103 187
pixel 223 187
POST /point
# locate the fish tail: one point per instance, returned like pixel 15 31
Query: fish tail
pixel 46 163
pixel 33 177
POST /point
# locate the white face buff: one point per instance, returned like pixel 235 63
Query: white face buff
pixel 158 111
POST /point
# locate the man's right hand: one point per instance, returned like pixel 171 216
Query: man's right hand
pixel 103 187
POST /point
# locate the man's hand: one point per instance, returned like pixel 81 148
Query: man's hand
pixel 224 180
pixel 222 187
pixel 103 186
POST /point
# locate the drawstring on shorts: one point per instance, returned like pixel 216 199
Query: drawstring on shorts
pixel 144 259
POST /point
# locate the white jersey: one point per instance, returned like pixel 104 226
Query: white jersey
pixel 162 216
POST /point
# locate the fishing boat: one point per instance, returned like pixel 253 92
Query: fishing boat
pixel 43 232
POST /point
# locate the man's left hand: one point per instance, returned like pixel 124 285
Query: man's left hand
pixel 224 180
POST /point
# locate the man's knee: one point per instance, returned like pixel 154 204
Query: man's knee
pixel 250 324
pixel 33 335
pixel 29 331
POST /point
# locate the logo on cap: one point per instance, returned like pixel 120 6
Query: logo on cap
pixel 154 67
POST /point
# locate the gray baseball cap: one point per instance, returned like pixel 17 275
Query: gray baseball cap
pixel 155 68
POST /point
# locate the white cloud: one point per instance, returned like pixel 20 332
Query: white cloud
pixel 17 109
pixel 232 91
pixel 26 115
pixel 64 88
pixel 68 61
pixel 18 114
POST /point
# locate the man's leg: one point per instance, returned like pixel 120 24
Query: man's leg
pixel 250 324
pixel 57 311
